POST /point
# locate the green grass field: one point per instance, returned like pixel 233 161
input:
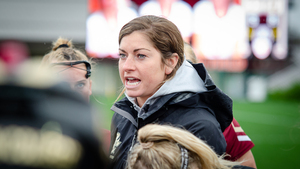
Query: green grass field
pixel 273 126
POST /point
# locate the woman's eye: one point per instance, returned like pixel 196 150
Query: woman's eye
pixel 79 85
pixel 122 55
pixel 141 56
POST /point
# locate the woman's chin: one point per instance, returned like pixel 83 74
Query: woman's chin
pixel 132 93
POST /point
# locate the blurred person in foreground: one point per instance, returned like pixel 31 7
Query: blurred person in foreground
pixel 73 66
pixel 168 147
pixel 43 123
pixel 239 145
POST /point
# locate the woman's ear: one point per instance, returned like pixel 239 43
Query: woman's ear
pixel 171 63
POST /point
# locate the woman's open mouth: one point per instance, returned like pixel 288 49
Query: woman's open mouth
pixel 132 81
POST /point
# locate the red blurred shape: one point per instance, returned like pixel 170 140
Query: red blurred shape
pixel 262 19
pixel 12 53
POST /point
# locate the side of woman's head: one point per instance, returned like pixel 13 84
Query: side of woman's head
pixel 163 34
pixel 160 146
pixel 71 65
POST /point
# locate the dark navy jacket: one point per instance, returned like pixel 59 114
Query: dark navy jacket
pixel 205 114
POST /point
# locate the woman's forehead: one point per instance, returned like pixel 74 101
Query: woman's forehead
pixel 136 39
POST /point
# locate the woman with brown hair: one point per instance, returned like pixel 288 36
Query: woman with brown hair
pixel 162 87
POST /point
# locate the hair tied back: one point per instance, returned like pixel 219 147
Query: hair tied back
pixel 62 46
pixel 147 145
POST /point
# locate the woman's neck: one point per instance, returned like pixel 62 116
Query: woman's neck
pixel 140 101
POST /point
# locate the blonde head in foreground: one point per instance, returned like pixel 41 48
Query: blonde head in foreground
pixel 159 146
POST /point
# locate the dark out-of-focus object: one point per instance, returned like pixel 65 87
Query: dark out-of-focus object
pixel 12 53
pixel 45 124
pixel 47 128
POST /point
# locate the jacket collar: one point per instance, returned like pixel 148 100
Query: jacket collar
pixel 186 79
pixel 212 98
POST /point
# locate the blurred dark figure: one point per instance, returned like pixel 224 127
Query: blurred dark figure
pixel 74 67
pixel 43 123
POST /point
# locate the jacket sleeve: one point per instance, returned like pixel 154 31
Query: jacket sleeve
pixel 238 142
pixel 210 132
pixel 113 133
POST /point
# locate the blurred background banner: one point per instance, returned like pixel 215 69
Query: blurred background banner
pixel 267 23
pixel 251 48
pixel 104 21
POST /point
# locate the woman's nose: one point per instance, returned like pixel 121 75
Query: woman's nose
pixel 129 64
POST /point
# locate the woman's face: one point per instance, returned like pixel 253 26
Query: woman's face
pixel 75 76
pixel 140 66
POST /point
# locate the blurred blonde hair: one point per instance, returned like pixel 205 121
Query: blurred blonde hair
pixel 158 148
pixel 189 53
pixel 60 54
